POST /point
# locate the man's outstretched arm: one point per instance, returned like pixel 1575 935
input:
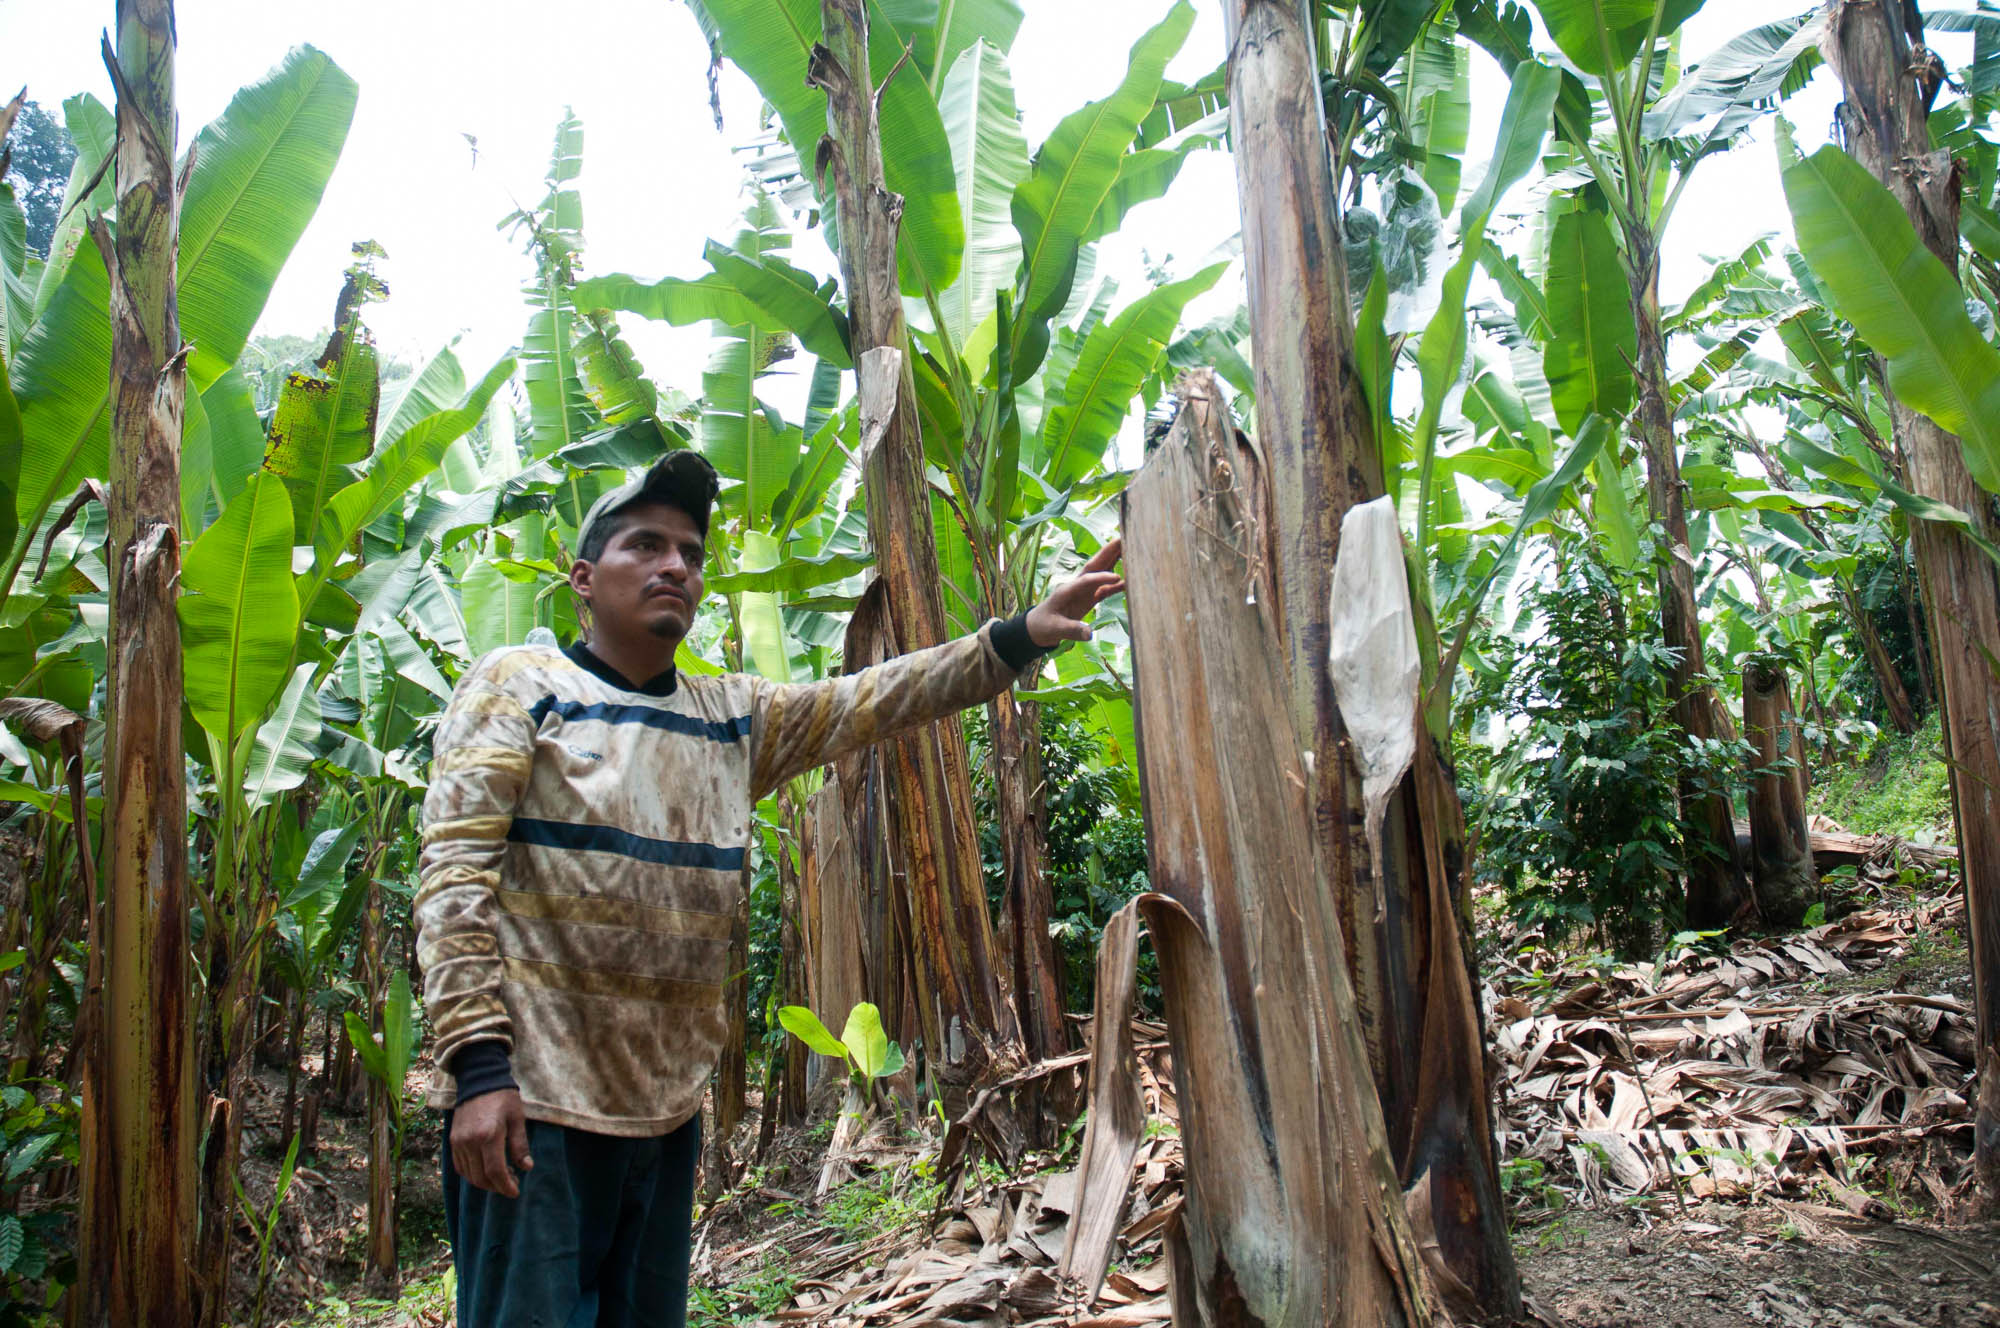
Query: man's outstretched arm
pixel 802 725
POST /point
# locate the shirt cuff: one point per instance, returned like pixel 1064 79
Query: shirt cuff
pixel 1017 650
pixel 481 1068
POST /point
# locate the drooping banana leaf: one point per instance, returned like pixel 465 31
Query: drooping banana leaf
pixel 1600 36
pixel 1901 299
pixel 239 610
pixel 990 155
pixel 1592 343
pixel 284 750
pixel 789 296
pixel 235 435
pixel 1736 81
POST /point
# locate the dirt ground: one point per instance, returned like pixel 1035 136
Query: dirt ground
pixel 1737 1264
pixel 1865 1016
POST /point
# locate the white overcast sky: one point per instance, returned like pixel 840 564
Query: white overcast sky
pixel 658 177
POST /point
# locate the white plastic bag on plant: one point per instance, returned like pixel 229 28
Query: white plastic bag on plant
pixel 1373 655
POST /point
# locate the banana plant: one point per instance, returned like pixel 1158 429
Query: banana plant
pixel 257 174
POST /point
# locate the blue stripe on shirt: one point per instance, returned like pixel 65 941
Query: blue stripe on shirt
pixel 611 712
pixel 610 839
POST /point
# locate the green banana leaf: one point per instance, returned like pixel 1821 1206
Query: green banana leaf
pixel 939 32
pixel 990 154
pixel 239 610
pixel 285 747
pixel 1901 299
pixel 789 575
pixel 10 459
pixel 1592 342
pixel 1589 31
pixel 559 411
pixel 498 611
pixel 1114 361
pixel 1735 82
pixel 400 467
pixel 235 435
pixel 1438 94
pixel 772 42
pixel 323 427
pixel 259 171
pixel 437 386
pixel 93 131
pixel 790 298
pixel 1073 172
pixel 1441 355
pixel 765 647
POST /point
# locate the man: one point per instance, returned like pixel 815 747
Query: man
pixel 584 840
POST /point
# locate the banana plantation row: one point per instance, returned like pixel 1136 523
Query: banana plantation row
pixel 1452 427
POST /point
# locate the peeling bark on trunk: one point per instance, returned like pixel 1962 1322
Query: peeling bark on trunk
pixel 867 799
pixel 830 888
pixel 382 1276
pixel 1293 1212
pixel 1028 951
pixel 1717 890
pixel 1781 859
pixel 970 1033
pixel 792 966
pixel 732 1075
pixel 141 1203
pixel 1400 919
pixel 1889 86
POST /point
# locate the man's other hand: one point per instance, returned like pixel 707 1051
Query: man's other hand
pixel 1061 616
pixel 487 1134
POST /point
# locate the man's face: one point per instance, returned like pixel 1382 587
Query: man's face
pixel 649 576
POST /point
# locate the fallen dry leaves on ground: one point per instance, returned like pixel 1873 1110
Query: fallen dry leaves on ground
pixel 1755 1072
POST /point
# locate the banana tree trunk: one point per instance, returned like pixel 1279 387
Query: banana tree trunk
pixel 1895 696
pixel 1027 950
pixel 732 1076
pixel 1293 1215
pixel 1717 889
pixel 831 902
pixel 1889 86
pixel 970 1033
pixel 141 1203
pixel 381 1276
pixel 1781 859
pixel 1400 917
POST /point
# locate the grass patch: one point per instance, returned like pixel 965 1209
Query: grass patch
pixel 760 1295
pixel 1899 786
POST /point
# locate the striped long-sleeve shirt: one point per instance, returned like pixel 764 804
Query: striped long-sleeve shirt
pixel 583 852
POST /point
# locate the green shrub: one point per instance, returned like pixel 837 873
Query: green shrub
pixel 1096 859
pixel 1574 801
pixel 1898 786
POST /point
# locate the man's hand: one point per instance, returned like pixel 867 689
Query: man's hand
pixel 486 1134
pixel 1060 617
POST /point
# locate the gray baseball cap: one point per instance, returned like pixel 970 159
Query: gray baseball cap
pixel 682 478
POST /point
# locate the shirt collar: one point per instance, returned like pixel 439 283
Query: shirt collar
pixel 662 685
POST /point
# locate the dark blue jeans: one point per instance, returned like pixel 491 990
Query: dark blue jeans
pixel 599 1237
